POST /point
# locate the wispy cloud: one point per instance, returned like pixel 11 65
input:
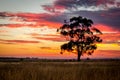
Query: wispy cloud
pixel 46 48
pixel 100 11
pixel 28 19
pixel 17 41
pixel 57 39
pixel 82 5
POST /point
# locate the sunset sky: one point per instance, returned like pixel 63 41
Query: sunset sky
pixel 28 27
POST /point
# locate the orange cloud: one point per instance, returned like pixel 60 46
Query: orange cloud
pixel 46 48
pixel 17 41
pixel 3 31
pixel 58 39
pixel 111 37
pixel 48 37
pixel 106 54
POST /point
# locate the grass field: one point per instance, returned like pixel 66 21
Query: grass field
pixel 84 70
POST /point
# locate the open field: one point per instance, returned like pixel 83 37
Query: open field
pixel 84 70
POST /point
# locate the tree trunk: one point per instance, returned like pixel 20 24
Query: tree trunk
pixel 79 55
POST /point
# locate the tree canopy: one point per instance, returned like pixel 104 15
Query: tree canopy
pixel 81 34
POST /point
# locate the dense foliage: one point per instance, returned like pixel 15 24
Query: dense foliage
pixel 82 36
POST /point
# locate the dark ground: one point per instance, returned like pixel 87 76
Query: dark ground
pixel 37 69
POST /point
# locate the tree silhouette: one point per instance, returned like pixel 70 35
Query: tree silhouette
pixel 82 36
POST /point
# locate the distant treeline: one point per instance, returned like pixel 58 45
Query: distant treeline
pixel 15 59
pixel 28 59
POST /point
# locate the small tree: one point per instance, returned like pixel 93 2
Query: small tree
pixel 81 35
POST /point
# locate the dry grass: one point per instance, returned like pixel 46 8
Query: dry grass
pixel 60 70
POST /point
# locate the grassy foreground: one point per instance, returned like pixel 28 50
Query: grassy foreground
pixel 109 70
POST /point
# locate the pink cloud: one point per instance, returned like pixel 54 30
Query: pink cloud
pixel 54 8
pixel 28 19
pixel 105 28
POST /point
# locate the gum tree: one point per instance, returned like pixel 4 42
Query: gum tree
pixel 82 37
